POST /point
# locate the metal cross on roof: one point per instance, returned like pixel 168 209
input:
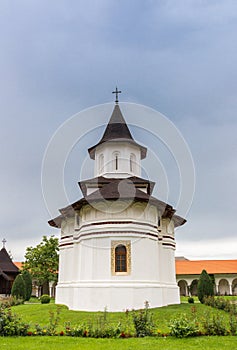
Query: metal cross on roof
pixel 116 92
pixel 4 242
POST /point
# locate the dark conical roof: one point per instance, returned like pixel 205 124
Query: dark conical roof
pixel 117 130
pixel 117 127
pixel 6 263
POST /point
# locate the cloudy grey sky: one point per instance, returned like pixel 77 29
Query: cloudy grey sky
pixel 177 57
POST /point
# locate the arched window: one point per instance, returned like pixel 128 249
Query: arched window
pixel 132 162
pixel 120 258
pixel 115 160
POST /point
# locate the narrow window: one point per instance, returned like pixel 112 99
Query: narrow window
pixel 132 162
pixel 120 258
pixel 101 163
pixel 116 162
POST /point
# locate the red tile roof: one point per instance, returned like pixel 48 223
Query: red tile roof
pixel 191 267
pixel 18 264
pixel 195 267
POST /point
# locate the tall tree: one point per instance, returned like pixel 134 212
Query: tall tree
pixel 18 288
pixel 42 262
pixel 205 286
pixel 28 283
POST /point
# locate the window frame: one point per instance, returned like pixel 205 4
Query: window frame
pixel 114 245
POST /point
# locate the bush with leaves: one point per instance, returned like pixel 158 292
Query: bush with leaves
pixel 42 262
pixel 205 286
pixel 221 304
pixel 19 288
pixel 45 299
pixel 191 300
pixel 214 324
pixel 182 327
pixel 233 324
pixel 11 325
pixel 143 322
pixel 10 301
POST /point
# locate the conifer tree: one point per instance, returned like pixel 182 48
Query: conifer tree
pixel 28 283
pixel 205 286
pixel 19 288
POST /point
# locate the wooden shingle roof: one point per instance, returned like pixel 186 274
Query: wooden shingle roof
pixel 117 130
pixel 6 264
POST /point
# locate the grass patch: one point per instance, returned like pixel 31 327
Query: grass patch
pixel 39 314
pixel 62 343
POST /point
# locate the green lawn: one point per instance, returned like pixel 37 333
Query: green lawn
pixel 39 314
pixel 62 343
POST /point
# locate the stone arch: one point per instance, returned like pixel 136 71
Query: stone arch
pixel 87 213
pixel 138 210
pixel 234 287
pixel 193 287
pixel 224 287
pixel 101 210
pixel 152 214
pixel 183 288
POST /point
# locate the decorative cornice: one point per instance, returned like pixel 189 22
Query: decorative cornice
pixel 109 233
pixel 119 223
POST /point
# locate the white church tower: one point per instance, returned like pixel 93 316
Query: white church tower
pixel 117 242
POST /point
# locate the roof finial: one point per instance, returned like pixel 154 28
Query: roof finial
pixel 116 92
pixel 4 242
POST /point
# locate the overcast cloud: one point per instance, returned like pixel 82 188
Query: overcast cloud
pixel 178 57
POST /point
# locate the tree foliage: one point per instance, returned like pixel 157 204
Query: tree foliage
pixel 28 283
pixel 205 286
pixel 18 288
pixel 42 261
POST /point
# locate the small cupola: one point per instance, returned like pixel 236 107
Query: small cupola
pixel 117 154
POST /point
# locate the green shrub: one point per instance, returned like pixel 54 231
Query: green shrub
pixel 233 324
pixel 191 300
pixel 10 301
pixel 182 327
pixel 205 286
pixel 11 325
pixel 77 331
pixel 209 301
pixel 221 304
pixel 142 321
pixel 45 299
pixel 28 283
pixel 18 288
pixel 214 325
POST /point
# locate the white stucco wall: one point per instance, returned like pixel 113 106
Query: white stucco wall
pixel 124 150
pixel 85 278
